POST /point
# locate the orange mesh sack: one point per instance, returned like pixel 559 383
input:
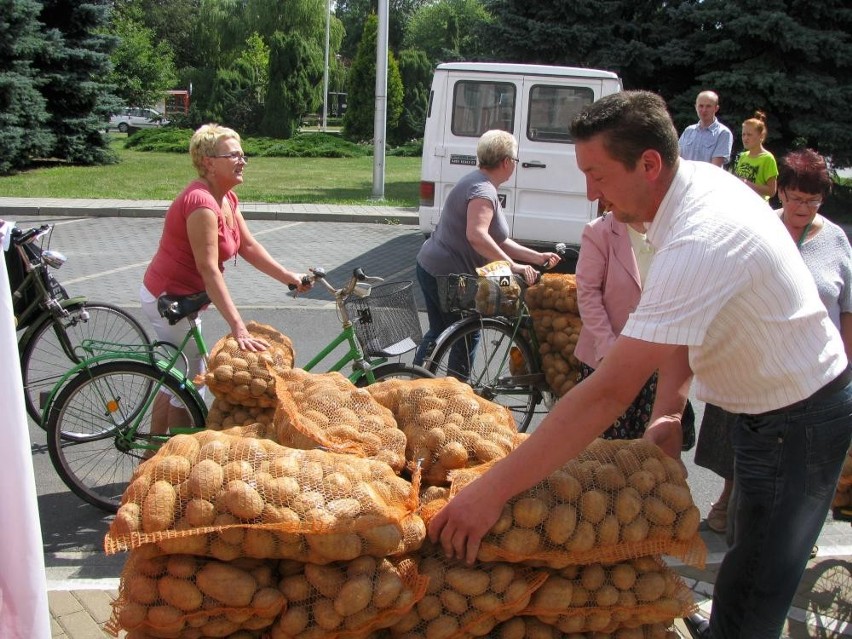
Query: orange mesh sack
pixel 465 601
pixel 188 597
pixel 556 321
pixel 604 598
pixel 329 410
pixel 447 426
pixel 244 377
pixel 214 494
pixel 223 415
pixel 346 599
pixel 617 500
pixel 532 628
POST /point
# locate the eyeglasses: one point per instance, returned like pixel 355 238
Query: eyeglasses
pixel 236 155
pixel 813 205
pixel 515 160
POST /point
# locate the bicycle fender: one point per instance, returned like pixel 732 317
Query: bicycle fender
pixel 72 301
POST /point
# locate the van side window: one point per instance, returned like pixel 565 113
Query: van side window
pixel 551 110
pixel 480 106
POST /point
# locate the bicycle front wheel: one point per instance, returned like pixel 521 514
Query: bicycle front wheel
pixel 52 350
pixel 497 363
pixel 396 370
pixel 112 406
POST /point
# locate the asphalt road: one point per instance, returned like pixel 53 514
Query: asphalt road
pixel 106 260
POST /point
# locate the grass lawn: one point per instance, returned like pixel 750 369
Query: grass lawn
pixel 161 176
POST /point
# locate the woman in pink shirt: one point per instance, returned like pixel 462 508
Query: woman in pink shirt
pixel 203 229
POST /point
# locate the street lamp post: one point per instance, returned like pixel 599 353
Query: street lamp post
pixel 325 71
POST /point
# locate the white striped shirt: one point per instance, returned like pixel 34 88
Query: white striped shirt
pixel 728 282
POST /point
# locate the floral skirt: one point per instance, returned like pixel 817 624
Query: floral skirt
pixel 632 424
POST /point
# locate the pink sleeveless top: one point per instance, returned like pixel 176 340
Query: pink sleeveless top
pixel 172 269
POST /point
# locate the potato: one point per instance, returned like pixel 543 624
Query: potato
pixel 561 523
pixel 623 576
pixel 354 596
pixel 442 627
pixel 127 520
pixel 583 538
pixel 635 531
pixel 243 501
pixel 158 509
pixel 678 498
pixel 206 479
pixel 520 542
pixel 609 477
pixel 259 543
pixel 182 566
pixel 173 468
pixel 131 615
pixel 453 455
pixel 199 512
pixel 657 512
pixel 387 589
pixel 268 602
pixel 327 580
pixel 554 595
pixel 609 531
pixel 226 583
pixel 468 581
pixel 325 616
pixel 643 481
pixel 529 512
pixel 180 593
pixel 141 589
pixel 336 546
pixel 649 586
pixel 593 506
pixel 454 602
pixel 687 524
pixel 628 504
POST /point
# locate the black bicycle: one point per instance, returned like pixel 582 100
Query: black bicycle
pixel 52 325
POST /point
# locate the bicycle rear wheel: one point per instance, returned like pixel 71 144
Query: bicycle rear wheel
pixel 396 370
pixel 50 352
pixel 479 352
pixel 105 403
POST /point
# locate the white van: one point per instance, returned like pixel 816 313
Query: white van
pixel 545 199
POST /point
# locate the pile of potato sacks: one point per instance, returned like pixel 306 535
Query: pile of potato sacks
pixel 307 520
pixel 556 322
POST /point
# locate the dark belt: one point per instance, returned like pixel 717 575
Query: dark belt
pixel 834 386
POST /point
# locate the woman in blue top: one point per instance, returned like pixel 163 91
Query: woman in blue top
pixel 472 232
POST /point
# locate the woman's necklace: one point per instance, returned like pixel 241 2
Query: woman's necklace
pixel 804 234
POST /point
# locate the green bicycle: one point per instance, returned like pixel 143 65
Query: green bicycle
pixel 99 416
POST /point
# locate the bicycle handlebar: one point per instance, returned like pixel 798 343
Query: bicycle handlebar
pixel 19 237
pixel 318 273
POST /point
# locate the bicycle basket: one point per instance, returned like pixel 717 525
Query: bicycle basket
pixel 486 295
pixel 386 321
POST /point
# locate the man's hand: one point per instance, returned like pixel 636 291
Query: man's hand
pixel 667 433
pixel 464 521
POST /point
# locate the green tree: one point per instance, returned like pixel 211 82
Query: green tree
pixel 142 71
pixel 171 21
pixel 295 70
pixel 449 30
pixel 359 121
pixel 24 134
pixel 353 15
pixel 789 59
pixel 75 66
pixel 415 70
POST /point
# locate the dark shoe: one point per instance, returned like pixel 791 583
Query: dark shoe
pixel 698 626
pixel 687 424
pixel 814 552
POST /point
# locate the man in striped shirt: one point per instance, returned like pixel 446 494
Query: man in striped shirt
pixel 728 300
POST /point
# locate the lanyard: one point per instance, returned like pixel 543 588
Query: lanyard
pixel 803 236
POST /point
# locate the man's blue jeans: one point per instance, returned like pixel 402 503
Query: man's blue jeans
pixel 786 469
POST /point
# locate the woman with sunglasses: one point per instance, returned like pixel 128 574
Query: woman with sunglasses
pixel 204 229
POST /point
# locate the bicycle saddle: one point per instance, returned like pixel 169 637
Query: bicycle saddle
pixel 175 307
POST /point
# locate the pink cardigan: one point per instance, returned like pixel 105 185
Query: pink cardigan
pixel 608 287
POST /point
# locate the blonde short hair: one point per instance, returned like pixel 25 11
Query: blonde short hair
pixel 204 142
pixel 495 146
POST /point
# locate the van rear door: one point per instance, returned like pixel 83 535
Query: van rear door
pixel 475 103
pixel 550 193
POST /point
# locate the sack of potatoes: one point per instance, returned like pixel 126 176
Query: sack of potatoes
pixel 446 425
pixel 554 292
pixel 466 601
pixel 223 415
pixel 532 628
pixel 328 410
pixel 193 597
pixel 606 597
pixel 215 494
pixel 345 599
pixel 245 377
pixel 617 500
pixel 497 295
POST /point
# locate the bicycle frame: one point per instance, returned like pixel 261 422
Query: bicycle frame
pixel 102 352
pixel 361 367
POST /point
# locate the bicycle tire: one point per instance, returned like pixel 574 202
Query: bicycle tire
pixel 45 359
pixel 396 370
pixel 98 469
pixel 488 370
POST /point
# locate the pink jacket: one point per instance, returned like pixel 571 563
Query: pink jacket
pixel 608 287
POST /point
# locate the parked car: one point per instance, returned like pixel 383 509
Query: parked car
pixel 136 117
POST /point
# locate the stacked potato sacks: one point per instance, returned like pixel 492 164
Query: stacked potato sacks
pixel 597 526
pixel 446 425
pixel 227 500
pixel 842 503
pixel 556 321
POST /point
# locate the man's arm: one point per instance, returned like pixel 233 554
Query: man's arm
pixel 673 380
pixel 581 415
